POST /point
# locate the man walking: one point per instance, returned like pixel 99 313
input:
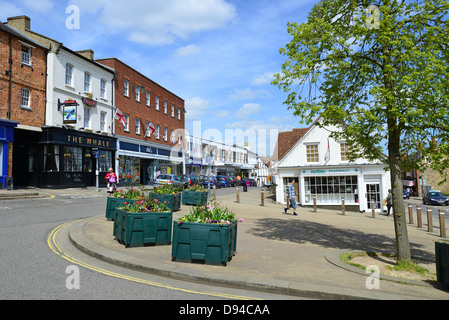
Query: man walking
pixel 291 194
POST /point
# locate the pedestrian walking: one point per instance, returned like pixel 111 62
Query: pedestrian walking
pixel 245 187
pixel 389 202
pixel 111 179
pixel 291 194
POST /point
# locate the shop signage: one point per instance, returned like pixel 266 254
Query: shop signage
pixel 331 171
pixel 90 102
pixel 86 141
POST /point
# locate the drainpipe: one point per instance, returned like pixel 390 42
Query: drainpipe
pixel 8 113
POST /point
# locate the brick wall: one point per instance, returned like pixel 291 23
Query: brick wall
pixel 433 178
pixel 139 109
pixel 23 76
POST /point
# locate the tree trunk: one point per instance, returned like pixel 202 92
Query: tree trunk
pixel 400 223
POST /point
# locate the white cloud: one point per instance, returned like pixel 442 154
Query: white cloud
pixel 248 110
pixel 158 22
pixel 191 49
pixel 262 79
pixel 196 108
pixel 221 113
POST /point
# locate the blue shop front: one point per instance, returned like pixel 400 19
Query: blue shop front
pixel 6 141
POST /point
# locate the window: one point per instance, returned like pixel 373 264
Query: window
pixel 25 98
pixel 173 110
pixel 165 133
pixel 137 126
pixel 157 131
pixel 26 56
pixel 148 98
pixel 312 153
pixel 51 157
pixel 344 151
pixel 137 92
pixel 126 87
pixel 68 74
pixel 105 160
pixel 73 159
pixel 87 79
pixel 330 189
pixel 103 121
pixel 86 117
pixel 126 116
pixel 165 107
pixel 179 113
pixel 147 129
pixel 157 103
pixel 103 88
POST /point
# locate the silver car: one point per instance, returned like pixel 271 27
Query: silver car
pixel 172 179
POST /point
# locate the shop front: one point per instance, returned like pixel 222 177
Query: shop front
pixel 140 163
pixel 62 158
pixel 362 187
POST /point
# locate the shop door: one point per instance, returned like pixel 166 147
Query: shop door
pixel 88 168
pixel 373 194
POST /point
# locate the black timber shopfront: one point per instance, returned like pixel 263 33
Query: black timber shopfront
pixel 62 158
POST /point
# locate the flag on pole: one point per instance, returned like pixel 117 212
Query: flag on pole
pixel 119 116
pixel 150 128
pixel 328 152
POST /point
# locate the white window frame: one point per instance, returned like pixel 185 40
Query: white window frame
pixel 69 75
pixel 137 125
pixel 157 102
pixel 86 118
pixel 103 88
pixel 126 117
pixel 103 116
pixel 165 106
pixel 165 133
pixel 148 96
pixel 173 110
pixel 126 87
pixel 25 98
pixel 87 82
pixel 137 93
pixel 157 131
pixel 26 55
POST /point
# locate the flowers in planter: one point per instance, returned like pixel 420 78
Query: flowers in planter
pixel 210 213
pixel 130 193
pixel 167 189
pixel 196 188
pixel 145 205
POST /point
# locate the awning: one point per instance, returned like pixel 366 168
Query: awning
pixel 408 183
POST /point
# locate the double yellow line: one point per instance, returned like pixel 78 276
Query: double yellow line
pixel 51 241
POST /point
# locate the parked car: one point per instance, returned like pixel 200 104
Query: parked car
pixel 212 180
pixel 172 179
pixel 233 180
pixel 435 197
pixel 252 183
pixel 224 181
pixel 189 180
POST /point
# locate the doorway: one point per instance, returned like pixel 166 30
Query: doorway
pixel 373 195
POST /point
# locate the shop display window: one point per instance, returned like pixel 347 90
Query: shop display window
pixel 331 189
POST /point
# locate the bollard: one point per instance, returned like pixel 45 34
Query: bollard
pixel 442 225
pixel 314 203
pixel 237 195
pixel 343 205
pixel 418 215
pixel 373 210
pixel 215 192
pixel 410 214
pixel 262 200
pixel 429 220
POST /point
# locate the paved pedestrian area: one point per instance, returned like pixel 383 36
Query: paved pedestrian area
pixel 295 255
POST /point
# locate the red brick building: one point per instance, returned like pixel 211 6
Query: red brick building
pixel 153 121
pixel 23 64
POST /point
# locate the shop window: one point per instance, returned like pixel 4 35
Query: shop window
pixel 51 158
pixel 105 160
pixel 331 189
pixel 73 159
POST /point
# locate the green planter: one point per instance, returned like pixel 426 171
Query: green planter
pixel 141 229
pixel 173 200
pixel 113 203
pixel 194 198
pixel 204 242
pixel 442 263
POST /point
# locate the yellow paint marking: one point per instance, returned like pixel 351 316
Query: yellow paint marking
pixel 55 248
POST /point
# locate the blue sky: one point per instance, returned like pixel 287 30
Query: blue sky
pixel 218 55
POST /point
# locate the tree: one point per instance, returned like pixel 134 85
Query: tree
pixel 382 71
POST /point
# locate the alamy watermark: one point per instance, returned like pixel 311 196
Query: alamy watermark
pixel 73 280
pixel 373 281
pixel 73 20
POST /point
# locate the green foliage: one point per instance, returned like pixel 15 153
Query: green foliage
pixel 213 212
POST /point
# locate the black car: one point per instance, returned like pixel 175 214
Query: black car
pixel 189 180
pixel 435 197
